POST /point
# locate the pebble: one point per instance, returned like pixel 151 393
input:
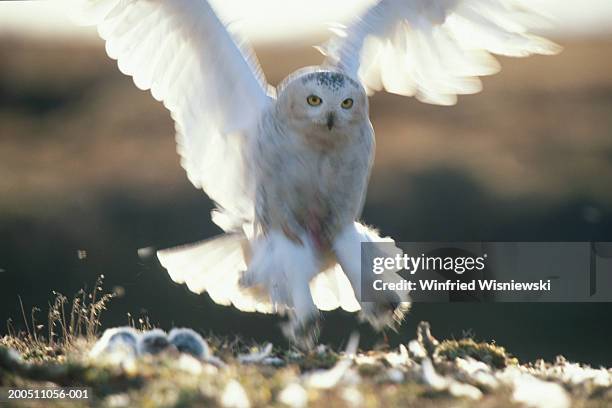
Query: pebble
pixel 294 395
pixel 234 396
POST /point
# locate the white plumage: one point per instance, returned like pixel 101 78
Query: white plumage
pixel 434 49
pixel 288 167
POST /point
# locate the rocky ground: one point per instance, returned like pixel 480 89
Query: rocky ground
pixel 423 372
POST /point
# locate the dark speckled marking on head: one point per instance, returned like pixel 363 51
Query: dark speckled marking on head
pixel 324 76
pixel 329 79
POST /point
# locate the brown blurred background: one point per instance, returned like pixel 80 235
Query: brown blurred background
pixel 88 163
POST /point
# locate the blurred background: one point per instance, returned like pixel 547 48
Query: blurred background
pixel 90 182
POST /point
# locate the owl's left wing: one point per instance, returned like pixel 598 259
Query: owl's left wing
pixel 205 75
pixel 433 49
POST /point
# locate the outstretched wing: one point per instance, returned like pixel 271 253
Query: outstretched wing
pixel 433 49
pixel 208 78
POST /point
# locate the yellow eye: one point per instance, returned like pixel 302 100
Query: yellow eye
pixel 347 103
pixel 314 100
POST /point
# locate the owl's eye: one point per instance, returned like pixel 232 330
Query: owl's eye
pixel 314 100
pixel 347 103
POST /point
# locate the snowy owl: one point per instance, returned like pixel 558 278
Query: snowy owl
pixel 288 167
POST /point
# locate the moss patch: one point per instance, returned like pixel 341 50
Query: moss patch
pixel 489 353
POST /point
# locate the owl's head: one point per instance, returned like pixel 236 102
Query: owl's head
pixel 322 103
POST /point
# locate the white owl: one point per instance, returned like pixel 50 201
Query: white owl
pixel 288 167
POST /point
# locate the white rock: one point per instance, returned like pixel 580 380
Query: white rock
pixel 14 356
pixel 395 375
pixel 533 392
pixel 431 377
pixel 118 400
pixel 352 396
pixel 234 396
pixel 464 390
pixel 440 383
pixel 190 364
pixel 417 350
pixel 351 377
pixel 477 371
pixel 326 379
pixel 294 395
pixel 256 357
pixel 471 366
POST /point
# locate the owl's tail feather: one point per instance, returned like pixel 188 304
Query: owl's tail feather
pixel 215 266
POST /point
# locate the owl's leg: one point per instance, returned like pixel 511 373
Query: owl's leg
pixel 285 268
pixel 304 264
pixel 380 309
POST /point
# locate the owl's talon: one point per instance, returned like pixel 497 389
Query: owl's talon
pixel 384 313
pixel 303 334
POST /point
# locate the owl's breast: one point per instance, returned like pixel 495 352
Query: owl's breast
pixel 313 180
pixel 324 142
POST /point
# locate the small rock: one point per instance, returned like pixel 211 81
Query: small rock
pixel 256 357
pixel 464 391
pixel 294 395
pixel 327 379
pixel 274 361
pixel 416 350
pixel 431 378
pixel 439 383
pixel 476 372
pixel 190 364
pixel 398 359
pixel 153 342
pixel 533 392
pixel 118 400
pixel 122 341
pixel 190 342
pixel 395 375
pixel 352 396
pixel 234 396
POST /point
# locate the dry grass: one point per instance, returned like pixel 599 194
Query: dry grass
pixel 72 324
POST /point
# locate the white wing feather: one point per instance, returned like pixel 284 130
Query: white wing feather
pixel 214 266
pixel 433 49
pixel 331 289
pixel 207 77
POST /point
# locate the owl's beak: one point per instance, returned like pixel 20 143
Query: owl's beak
pixel 330 120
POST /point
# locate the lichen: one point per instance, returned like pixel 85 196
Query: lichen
pixel 489 353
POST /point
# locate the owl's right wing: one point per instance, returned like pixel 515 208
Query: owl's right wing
pixel 206 76
pixel 433 49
